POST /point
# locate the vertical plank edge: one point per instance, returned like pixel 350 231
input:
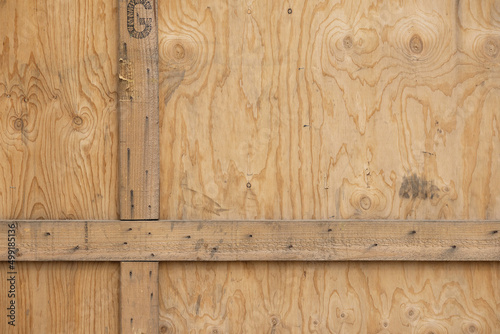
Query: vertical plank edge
pixel 139 311
pixel 139 153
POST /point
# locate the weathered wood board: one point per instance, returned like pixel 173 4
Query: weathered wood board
pixel 138 118
pixel 58 101
pixel 330 109
pixel 252 241
pixel 63 297
pixel 139 297
pixel 281 297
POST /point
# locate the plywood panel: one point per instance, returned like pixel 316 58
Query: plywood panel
pixel 279 297
pixel 58 96
pixel 329 109
pixel 63 297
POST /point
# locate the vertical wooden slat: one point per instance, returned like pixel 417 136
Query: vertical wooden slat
pixel 139 116
pixel 139 154
pixel 139 297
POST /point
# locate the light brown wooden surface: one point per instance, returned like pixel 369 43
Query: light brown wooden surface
pixel 330 109
pixel 58 100
pixel 139 297
pixel 280 297
pixel 139 115
pixel 254 241
pixel 269 110
pixel 63 297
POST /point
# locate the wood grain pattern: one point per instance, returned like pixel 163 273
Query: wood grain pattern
pixel 58 128
pixel 63 297
pixel 279 297
pixel 139 297
pixel 139 115
pixel 254 241
pixel 330 109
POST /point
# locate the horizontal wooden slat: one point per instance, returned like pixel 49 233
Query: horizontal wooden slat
pixel 254 240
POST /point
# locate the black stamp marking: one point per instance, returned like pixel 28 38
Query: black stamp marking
pixel 146 22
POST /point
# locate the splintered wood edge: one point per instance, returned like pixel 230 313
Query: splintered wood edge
pixel 251 240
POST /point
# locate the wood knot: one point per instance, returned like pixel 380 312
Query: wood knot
pixel 416 44
pixel 491 48
pixel 77 120
pixel 275 321
pixel 411 314
pixel 249 185
pixel 179 52
pixel 163 329
pixel 347 42
pixel 365 202
pixel 290 11
pixel 18 124
pixel 472 329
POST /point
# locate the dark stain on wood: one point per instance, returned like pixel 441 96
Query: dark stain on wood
pixel 198 305
pixel 416 187
pixel 198 244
